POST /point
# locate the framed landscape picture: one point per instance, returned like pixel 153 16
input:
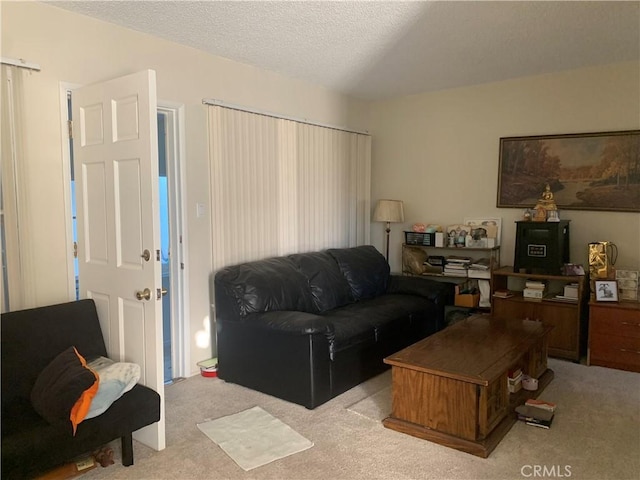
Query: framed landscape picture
pixel 586 171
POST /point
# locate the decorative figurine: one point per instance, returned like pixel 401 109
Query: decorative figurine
pixel 452 238
pixel 553 216
pixel 545 206
pixel 539 214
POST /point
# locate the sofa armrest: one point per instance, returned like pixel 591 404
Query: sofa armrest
pixel 290 322
pixel 440 293
pixel 281 353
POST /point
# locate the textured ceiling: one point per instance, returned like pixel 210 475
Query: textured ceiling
pixel 376 50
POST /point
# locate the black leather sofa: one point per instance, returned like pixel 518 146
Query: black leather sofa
pixel 30 340
pixel 307 327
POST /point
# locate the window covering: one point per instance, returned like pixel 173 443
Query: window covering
pixel 280 186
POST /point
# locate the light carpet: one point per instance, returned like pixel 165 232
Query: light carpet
pixel 253 437
pixel 595 435
pixel 376 407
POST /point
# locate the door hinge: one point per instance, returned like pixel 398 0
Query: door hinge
pixel 75 249
pixel 158 255
pixel 181 266
pixel 70 127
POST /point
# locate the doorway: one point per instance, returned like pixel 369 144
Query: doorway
pixel 165 245
pixel 172 239
pixel 169 120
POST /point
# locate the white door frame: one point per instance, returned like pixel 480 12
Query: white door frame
pixel 66 188
pixel 175 154
pixel 177 237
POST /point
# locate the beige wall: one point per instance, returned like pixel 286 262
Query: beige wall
pixel 438 152
pixel 79 50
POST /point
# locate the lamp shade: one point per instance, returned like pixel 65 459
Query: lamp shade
pixel 389 211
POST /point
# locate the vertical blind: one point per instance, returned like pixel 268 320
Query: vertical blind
pixel 15 290
pixel 280 186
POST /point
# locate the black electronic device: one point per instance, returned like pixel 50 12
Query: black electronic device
pixel 436 260
pixel 541 247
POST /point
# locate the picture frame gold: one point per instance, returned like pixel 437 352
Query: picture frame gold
pixel 586 171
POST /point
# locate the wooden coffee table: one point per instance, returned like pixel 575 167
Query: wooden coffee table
pixel 451 388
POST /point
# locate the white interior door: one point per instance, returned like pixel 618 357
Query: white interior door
pixel 116 158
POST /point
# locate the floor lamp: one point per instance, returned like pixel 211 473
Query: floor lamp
pixel 389 211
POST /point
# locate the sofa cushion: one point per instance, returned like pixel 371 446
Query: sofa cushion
pixel 365 269
pixel 267 285
pixel 374 320
pixel 348 331
pixel 329 288
pixel 64 389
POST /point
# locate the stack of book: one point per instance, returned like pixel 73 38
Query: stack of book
pixel 536 402
pixel 537 413
pixel 480 268
pixel 569 294
pixel 434 265
pixel 430 269
pixel 503 293
pixel 457 266
pixel 515 380
pixel 534 290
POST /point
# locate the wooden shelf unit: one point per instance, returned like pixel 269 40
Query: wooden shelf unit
pixel 475 253
pixel 569 319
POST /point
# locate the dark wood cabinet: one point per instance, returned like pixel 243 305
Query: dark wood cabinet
pixel 614 335
pixel 568 319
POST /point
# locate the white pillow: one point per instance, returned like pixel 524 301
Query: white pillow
pixel 115 379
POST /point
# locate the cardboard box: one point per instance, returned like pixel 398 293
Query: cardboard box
pixel 469 300
pixel 571 291
pixel 533 293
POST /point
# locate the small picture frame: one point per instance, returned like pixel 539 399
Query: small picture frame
pixel 606 290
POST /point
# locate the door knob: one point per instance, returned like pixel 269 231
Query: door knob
pixel 146 255
pixel 144 295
